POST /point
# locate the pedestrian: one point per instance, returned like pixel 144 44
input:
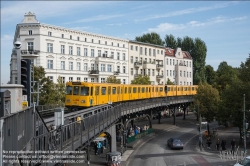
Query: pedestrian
pixel 95 147
pixel 223 144
pixel 200 142
pixel 209 142
pixel 99 146
pixel 218 144
pixel 233 145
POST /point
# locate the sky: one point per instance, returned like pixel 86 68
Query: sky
pixel 223 25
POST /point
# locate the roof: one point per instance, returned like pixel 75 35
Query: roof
pixel 149 44
pixel 172 52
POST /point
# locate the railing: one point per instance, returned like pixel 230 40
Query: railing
pixel 159 65
pixel 159 76
pixel 35 52
pixel 93 71
pixel 137 64
pixel 116 72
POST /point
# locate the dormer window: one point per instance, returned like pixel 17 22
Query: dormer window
pixel 179 53
pixel 30 32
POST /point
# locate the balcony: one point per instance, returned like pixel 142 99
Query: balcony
pixel 93 72
pixel 159 76
pixel 104 58
pixel 136 75
pixel 29 54
pixel 116 72
pixel 148 65
pixel 137 64
pixel 159 66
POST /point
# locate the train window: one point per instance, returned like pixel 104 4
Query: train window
pixel 139 90
pixel 69 90
pixel 146 89
pixel 178 89
pixel 125 90
pixel 114 90
pixel 109 90
pixel 129 90
pixel 91 91
pixel 192 88
pixel 169 89
pixel 76 90
pixel 156 90
pixel 118 90
pixel 97 90
pixel 153 89
pixel 142 90
pixel 161 89
pixel 103 90
pixel 84 91
pixel 134 89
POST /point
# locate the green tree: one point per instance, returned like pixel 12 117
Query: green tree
pixel 113 79
pixel 170 41
pixel 169 82
pixel 152 38
pixel 210 74
pixel 207 99
pixel 60 90
pixel 142 80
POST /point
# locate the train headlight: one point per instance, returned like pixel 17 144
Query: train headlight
pixel 83 101
pixel 68 100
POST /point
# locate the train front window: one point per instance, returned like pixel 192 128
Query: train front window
pixel 84 91
pixel 76 90
pixel 69 90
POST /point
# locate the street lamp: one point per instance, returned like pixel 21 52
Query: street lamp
pixel 244 124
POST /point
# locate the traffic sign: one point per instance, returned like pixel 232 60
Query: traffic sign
pixel 24 105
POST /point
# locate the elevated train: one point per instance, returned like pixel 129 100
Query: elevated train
pixel 80 95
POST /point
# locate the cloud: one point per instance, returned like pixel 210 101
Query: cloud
pixel 96 18
pixel 5 38
pixel 117 24
pixel 188 11
pixel 168 26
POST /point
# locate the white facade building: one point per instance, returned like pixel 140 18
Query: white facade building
pixel 178 66
pixel 146 59
pixel 71 54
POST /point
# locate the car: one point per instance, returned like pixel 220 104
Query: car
pixel 244 162
pixel 175 143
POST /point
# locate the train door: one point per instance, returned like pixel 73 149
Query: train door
pixel 130 93
pixel 91 98
pixel 139 93
pixel 118 93
pixel 121 93
pixel 97 92
pixel 109 95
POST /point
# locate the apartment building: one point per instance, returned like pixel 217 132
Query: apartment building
pixel 71 54
pixel 178 66
pixel 146 59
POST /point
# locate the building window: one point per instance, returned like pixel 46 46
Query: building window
pixel 180 82
pixel 141 72
pixel 105 54
pixel 49 33
pixel 70 79
pixel 149 51
pixel 173 73
pixel 124 81
pixel 148 72
pixel 92 79
pixel 112 55
pixel 132 71
pixel 167 61
pixel 49 47
pixel 85 67
pixel 30 32
pixel 112 43
pixel 109 68
pixel 92 53
pixel 106 43
pixel 99 53
pixel 102 80
pixel 78 38
pixel 190 74
pixel 118 45
pixel 99 41
pixel 78 51
pixel 167 73
pixel 118 56
pixel 161 52
pixel 145 51
pixel 140 50
pixel 118 69
pixel 51 78
pixel 62 65
pixel 62 35
pixel 184 74
pixel 153 52
pixel 136 59
pixel 124 56
pixel 78 66
pixel 124 69
pixel 131 59
pixel 173 62
pixel 158 51
pixel 180 74
pixel 92 66
pixel 30 46
pixel 70 36
pixel 102 67
pixel 170 62
pixel 85 79
pixel 63 79
pixel 85 52
pixel 97 67
pixel 70 50
pixel 170 73
pixel 153 72
pixel 136 48
pixel 62 49
pixel 50 64
pixel 78 78
pixel 70 65
pixel 131 47
pixel 123 45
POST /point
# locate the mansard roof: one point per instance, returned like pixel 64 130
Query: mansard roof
pixel 171 52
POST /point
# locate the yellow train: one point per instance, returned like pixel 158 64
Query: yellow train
pixel 87 94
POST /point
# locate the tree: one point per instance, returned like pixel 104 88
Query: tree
pixel 169 82
pixel 142 80
pixel 210 74
pixel 207 99
pixel 112 79
pixel 152 38
pixel 170 41
pixel 60 90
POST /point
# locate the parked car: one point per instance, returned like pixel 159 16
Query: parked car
pixel 175 143
pixel 244 162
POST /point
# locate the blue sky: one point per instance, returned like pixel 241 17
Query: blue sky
pixel 223 25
